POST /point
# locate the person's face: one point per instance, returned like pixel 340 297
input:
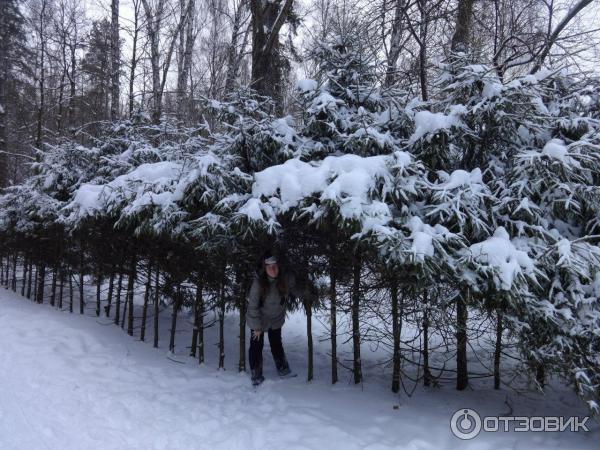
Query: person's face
pixel 272 270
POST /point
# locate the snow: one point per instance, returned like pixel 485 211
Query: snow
pixel 422 236
pixel 322 102
pixel 382 139
pixel 88 198
pixel 133 186
pixel 556 149
pixel 499 252
pixel 283 131
pixel 346 179
pixel 73 382
pixel 460 178
pixel 427 122
pixel 307 85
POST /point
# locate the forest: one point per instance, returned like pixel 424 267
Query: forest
pixel 429 170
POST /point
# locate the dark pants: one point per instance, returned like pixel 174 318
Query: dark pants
pixel 256 348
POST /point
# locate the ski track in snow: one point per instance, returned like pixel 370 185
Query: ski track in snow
pixel 69 383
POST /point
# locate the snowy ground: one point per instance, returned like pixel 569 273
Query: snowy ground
pixel 79 382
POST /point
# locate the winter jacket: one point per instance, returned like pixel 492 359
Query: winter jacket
pixel 272 312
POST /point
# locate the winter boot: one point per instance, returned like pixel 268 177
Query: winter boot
pixel 283 368
pixel 257 377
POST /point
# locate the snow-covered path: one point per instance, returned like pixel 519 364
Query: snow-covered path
pixel 67 382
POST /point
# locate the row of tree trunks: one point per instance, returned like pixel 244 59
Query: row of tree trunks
pixel 9 266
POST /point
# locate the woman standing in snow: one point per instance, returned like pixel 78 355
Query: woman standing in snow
pixel 267 299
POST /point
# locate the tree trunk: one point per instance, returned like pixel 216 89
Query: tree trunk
pixel 308 309
pixel 35 283
pixel 156 305
pixel 13 283
pixel 81 285
pixel 222 323
pixel 118 302
pixel 29 279
pixel 242 307
pixel 2 277
pixel 357 364
pixel 267 20
pixel 24 282
pixel 423 28
pixel 186 47
pixel 53 293
pixel 42 79
pixel 72 82
pixel 111 286
pixel 176 303
pixel 395 41
pixel 426 371
pixel 396 336
pixel 234 57
pixel 333 322
pixel 61 288
pixel 462 315
pixel 70 291
pixel 98 289
pixel 130 293
pixel 115 59
pixel 146 301
pixel 194 344
pixel 125 305
pixel 498 349
pixel 200 300
pixel 540 375
pixel 462 28
pixel 133 63
pixel 41 282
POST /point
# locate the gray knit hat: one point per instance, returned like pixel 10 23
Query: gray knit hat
pixel 271 259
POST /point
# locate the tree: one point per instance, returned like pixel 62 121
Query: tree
pixel 13 53
pixel 267 60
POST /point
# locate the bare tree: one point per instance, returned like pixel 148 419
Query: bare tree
pixel 115 59
pixel 156 15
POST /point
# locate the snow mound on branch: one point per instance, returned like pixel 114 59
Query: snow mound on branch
pixel 500 254
pixel 353 183
pixel 460 178
pixel 427 122
pixel 307 85
pixel 324 101
pixel 348 177
pixel 422 236
pixel 283 131
pixel 556 148
pixel 88 198
pixel 148 184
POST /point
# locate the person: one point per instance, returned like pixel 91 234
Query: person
pixel 271 288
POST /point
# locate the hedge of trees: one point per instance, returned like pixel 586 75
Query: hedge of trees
pixel 397 213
